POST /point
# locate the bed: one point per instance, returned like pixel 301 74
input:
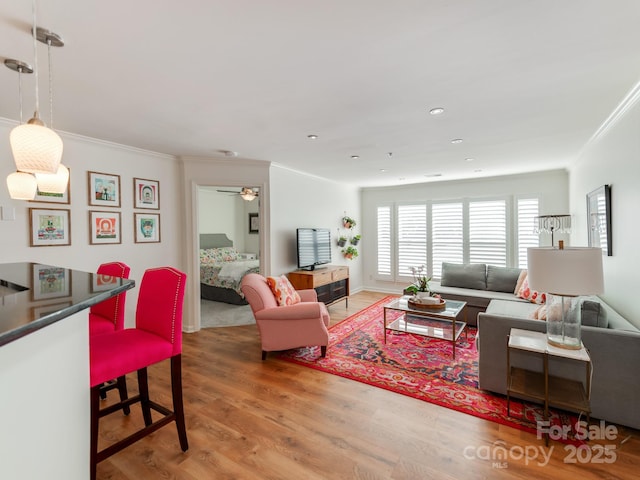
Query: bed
pixel 221 269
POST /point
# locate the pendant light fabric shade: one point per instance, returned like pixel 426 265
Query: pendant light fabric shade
pixel 568 271
pixel 36 148
pixel 53 182
pixel 22 186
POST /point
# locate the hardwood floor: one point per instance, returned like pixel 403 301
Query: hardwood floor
pixel 253 419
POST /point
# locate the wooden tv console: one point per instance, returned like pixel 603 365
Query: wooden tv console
pixel 331 283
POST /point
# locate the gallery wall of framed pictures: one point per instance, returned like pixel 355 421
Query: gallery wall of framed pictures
pixel 49 226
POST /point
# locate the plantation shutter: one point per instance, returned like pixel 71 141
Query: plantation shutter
pixel 384 242
pixel 488 232
pixel 412 238
pixel 527 213
pixel 447 235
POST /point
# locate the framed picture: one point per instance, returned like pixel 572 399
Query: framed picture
pixel 50 282
pixel 254 223
pixel 599 219
pixel 147 227
pixel 104 189
pixel 146 193
pixel 101 282
pixel 48 197
pixel 49 227
pixel 104 227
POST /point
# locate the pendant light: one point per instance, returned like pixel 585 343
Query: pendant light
pixel 36 148
pixel 22 186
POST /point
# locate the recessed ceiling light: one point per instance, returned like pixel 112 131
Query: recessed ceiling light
pixel 436 111
pixel 228 153
pixel 355 157
pixel 382 170
pixel 469 159
pixel 456 140
pixel 312 136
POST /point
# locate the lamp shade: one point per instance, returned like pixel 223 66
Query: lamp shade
pixel 36 148
pixel 22 186
pixel 53 182
pixel 568 271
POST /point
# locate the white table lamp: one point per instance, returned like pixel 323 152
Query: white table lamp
pixel 564 274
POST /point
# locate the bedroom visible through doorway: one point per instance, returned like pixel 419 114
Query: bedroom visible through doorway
pixel 229 240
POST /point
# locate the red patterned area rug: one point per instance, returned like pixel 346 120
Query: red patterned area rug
pixel 419 367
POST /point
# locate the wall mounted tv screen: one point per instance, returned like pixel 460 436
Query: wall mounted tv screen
pixel 314 247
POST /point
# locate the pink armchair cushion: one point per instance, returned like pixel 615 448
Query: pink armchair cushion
pixel 283 290
pixel 108 315
pixel 299 311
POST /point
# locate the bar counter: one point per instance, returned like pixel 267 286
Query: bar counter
pixel 44 368
pixel 34 296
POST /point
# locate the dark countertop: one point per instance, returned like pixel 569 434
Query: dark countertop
pixel 33 295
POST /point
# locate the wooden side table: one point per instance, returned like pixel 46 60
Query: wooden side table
pixel 543 387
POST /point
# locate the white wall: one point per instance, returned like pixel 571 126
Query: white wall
pixel 550 186
pixel 299 200
pixel 80 156
pixel 613 157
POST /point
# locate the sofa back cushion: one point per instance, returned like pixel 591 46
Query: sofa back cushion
pixel 471 275
pixel 502 279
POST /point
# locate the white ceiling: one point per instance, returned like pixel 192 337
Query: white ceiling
pixel 525 83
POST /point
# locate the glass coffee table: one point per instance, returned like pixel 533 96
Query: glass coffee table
pixel 439 323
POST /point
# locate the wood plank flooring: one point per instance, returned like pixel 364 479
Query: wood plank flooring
pixel 253 419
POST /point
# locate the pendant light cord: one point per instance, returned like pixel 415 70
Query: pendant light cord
pixel 20 91
pixel 50 84
pixel 35 56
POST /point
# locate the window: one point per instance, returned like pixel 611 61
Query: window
pixel 446 235
pixel 488 232
pixel 384 241
pixel 494 231
pixel 527 211
pixel 412 238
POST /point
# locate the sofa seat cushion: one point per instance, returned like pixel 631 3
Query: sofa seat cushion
pixel 474 294
pixel 472 275
pixel 512 309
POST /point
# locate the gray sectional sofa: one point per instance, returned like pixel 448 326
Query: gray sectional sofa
pixel 612 341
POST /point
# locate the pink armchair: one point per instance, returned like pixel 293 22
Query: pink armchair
pixel 291 326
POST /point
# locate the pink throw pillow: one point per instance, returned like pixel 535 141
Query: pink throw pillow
pixel 283 290
pixel 527 294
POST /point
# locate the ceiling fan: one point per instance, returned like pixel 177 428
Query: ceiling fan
pixel 246 193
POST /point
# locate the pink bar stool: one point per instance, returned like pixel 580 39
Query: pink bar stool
pixel 157 336
pixel 108 316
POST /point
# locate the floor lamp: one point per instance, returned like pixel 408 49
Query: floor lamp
pixel 565 274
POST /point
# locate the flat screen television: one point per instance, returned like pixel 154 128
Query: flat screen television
pixel 313 247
